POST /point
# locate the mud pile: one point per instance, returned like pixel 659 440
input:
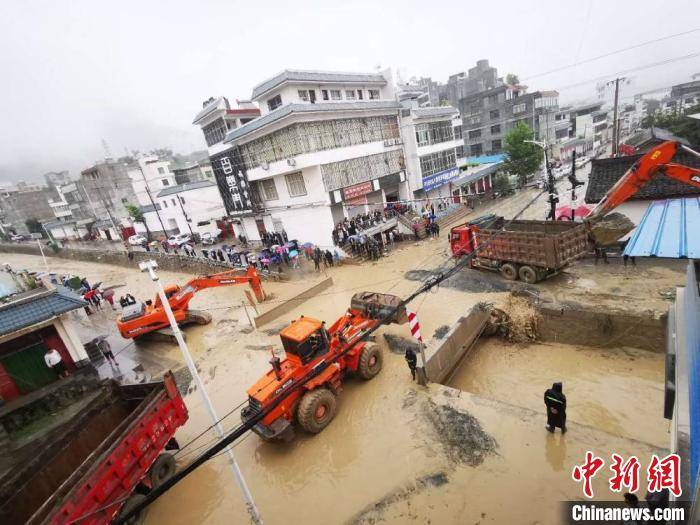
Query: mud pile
pixel 522 320
pixel 460 434
pixel 609 229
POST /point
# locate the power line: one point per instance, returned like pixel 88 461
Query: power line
pixel 611 53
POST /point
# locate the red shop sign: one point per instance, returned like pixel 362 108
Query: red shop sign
pixel 358 190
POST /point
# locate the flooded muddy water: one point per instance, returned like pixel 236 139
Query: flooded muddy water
pixel 617 390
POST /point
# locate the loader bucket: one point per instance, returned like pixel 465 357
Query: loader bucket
pixel 378 305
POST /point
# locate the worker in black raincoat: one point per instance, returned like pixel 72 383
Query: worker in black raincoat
pixel 555 401
pixel 412 361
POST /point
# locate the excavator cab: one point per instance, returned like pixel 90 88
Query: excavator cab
pixel 304 340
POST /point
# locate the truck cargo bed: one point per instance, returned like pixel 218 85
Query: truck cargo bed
pixel 544 244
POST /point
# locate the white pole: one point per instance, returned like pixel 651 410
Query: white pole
pixel 150 267
pixel 46 265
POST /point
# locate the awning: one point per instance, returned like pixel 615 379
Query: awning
pixel 669 228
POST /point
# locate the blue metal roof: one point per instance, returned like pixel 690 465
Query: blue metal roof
pixel 670 229
pixel 33 308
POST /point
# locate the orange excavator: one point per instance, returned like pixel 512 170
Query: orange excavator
pixel 140 319
pixel 657 160
pixel 317 359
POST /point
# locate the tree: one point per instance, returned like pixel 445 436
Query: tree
pixel 501 183
pixel 512 79
pixel 33 225
pixel 522 158
pixel 137 215
pixel 680 125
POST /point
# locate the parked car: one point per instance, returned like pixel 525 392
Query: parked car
pixel 18 238
pixel 178 240
pixel 210 237
pixel 137 240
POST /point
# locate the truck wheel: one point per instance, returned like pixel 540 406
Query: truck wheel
pixel 162 469
pixel 508 271
pixel 370 362
pixel 528 275
pixel 139 517
pixel 316 410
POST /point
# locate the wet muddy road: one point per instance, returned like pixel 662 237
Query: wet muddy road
pixel 385 456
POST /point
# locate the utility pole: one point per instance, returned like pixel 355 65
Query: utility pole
pixel 179 200
pixel 150 267
pixel 109 213
pixel 551 187
pixel 616 126
pixel 150 197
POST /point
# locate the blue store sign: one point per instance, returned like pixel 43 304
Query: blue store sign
pixel 438 179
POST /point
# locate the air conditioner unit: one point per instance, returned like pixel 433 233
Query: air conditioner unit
pixel 291 162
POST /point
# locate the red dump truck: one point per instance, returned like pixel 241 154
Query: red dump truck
pixel 529 250
pixel 101 461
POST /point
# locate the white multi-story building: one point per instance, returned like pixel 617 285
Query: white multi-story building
pixel 327 146
pixel 150 175
pixel 434 149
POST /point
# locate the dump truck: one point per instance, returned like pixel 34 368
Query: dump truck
pixel 317 359
pixel 527 250
pixel 100 462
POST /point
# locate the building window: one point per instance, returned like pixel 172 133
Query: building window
pixel 457 131
pixel 496 145
pixel 494 113
pixel 303 95
pixel 437 162
pixel 213 134
pixel 182 200
pixel 165 203
pixel 124 201
pixel 493 99
pixel 475 134
pixel 295 184
pixel 373 94
pixel 324 94
pixel 349 94
pixel 269 190
pixel 519 108
pixel 165 182
pixel 434 133
pixel 476 149
pixel 336 94
pixel 459 152
pixel 474 119
pixel 274 102
pixel 359 94
pixel 496 129
pixel 173 201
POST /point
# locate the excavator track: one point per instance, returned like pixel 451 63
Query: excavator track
pixel 196 317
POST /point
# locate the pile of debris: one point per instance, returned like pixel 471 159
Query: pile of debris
pixel 518 320
pixel 609 229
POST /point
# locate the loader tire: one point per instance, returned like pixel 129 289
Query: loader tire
pixel 528 274
pixel 509 271
pixel 162 469
pixel 139 517
pixel 370 362
pixel 316 410
pixel 197 317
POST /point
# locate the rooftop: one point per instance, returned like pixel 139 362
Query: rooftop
pixel 606 172
pixel 37 306
pixel 434 111
pixel 652 136
pixel 217 103
pixel 188 186
pixel 288 109
pixel 297 75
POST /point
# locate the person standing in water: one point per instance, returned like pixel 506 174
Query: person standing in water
pixel 555 401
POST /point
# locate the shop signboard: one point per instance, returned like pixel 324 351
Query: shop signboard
pixel 438 179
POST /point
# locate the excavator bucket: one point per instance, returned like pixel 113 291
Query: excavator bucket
pixel 610 228
pixel 378 306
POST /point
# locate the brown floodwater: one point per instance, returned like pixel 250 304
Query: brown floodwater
pixel 617 390
pixel 366 466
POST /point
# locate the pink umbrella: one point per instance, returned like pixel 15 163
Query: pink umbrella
pixel 564 212
pixel 281 249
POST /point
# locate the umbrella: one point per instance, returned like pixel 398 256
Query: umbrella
pixel 281 249
pixel 274 246
pixel 564 212
pixel 293 253
pixel 308 245
pixel 265 261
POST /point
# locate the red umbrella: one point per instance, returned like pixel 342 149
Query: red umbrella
pixel 564 212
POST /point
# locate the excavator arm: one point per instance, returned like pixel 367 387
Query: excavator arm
pixel 227 278
pixel 655 161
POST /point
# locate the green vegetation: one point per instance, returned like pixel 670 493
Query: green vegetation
pixel 679 124
pixel 522 158
pixel 512 79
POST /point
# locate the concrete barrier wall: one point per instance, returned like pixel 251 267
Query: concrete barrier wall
pixel 292 303
pixel 443 355
pixel 166 261
pixel 602 327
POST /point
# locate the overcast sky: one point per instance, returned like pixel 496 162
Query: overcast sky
pixel 135 73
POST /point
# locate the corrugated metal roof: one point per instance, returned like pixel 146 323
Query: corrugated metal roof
pixel 670 229
pixel 36 308
pixel 315 76
pixel 288 109
pixel 435 111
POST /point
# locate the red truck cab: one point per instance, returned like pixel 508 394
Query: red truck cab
pixel 464 238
